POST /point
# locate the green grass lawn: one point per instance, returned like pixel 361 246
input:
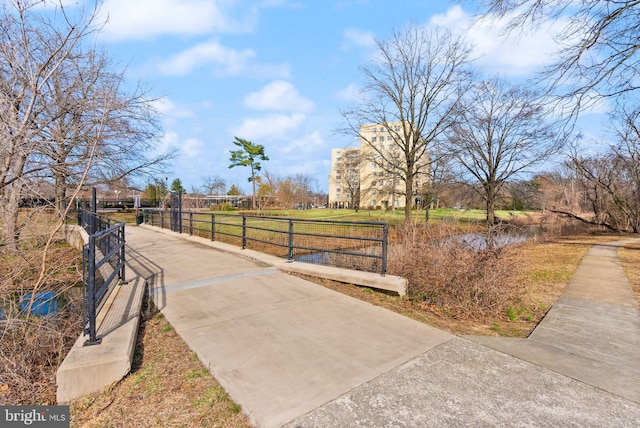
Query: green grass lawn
pixel 390 217
pixel 397 217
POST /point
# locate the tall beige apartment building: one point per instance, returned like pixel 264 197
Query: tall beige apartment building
pixel 361 176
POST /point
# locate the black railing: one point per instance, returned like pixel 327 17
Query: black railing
pixel 346 244
pixel 103 260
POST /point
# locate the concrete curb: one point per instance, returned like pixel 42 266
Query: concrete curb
pixel 87 369
pixel 366 279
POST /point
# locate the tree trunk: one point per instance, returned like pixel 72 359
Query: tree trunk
pixel 253 187
pixel 491 203
pixel 61 193
pixel 9 209
pixel 408 195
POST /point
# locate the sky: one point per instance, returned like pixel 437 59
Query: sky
pixel 278 72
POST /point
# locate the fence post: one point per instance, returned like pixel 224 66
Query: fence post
pixel 290 239
pixel 244 231
pixel 213 227
pixel 122 255
pixel 94 210
pixel 93 340
pixel 161 219
pixel 180 210
pixel 385 240
pixel 190 223
pixel 79 209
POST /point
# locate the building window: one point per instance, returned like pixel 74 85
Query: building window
pixel 374 139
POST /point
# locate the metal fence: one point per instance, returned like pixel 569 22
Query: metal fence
pixel 346 244
pixel 103 261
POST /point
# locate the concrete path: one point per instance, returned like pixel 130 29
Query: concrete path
pixel 592 333
pixel 294 353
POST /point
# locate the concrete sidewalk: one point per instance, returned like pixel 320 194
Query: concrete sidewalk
pixel 592 333
pixel 279 345
pixel 294 353
pixel 579 367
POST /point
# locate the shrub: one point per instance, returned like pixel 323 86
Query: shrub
pixel 32 348
pixel 449 276
pixel 31 351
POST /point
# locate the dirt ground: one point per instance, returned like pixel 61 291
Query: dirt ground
pixel 167 386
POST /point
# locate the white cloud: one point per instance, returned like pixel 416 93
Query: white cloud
pixel 268 127
pixel 498 51
pixel 304 145
pixel 168 141
pixel 355 38
pixel 278 96
pixel 223 61
pixel 166 107
pixel 143 19
pixel 230 60
pixel 455 19
pixel 191 148
pixel 351 93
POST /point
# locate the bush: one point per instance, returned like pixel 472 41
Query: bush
pixel 31 351
pixel 223 207
pixel 450 277
pixel 32 348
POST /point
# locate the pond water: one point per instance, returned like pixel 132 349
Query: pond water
pixel 481 241
pixel 320 258
pixel 499 239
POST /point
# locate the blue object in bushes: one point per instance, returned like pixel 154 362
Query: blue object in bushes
pixel 45 303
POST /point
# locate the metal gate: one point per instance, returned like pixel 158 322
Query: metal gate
pixel 176 211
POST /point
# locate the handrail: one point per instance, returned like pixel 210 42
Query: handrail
pixel 105 251
pixel 348 244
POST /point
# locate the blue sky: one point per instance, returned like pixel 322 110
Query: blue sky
pixel 277 72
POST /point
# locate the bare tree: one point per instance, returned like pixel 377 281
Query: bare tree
pixel 412 90
pixel 501 132
pixel 441 176
pixel 65 117
pixel 347 175
pixel 286 192
pixel 86 102
pixel 600 42
pixel 214 185
pixel 32 50
pixel 610 181
pixel 303 189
